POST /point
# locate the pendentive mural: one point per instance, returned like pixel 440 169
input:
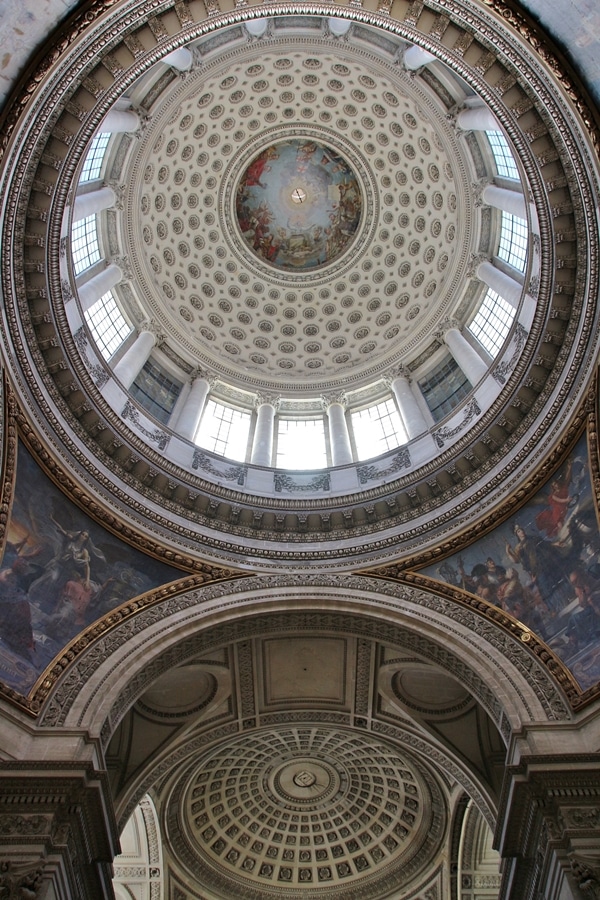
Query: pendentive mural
pixel 60 571
pixel 543 567
pixel 298 205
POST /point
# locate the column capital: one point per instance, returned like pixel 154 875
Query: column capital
pixel 332 397
pixel 266 399
pixel 199 372
pixel 119 192
pixel 445 327
pixel 478 188
pixel 399 371
pixel 474 263
pixel 124 264
pixel 152 327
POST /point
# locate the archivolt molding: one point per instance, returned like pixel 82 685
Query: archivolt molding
pixel 49 126
pixel 108 675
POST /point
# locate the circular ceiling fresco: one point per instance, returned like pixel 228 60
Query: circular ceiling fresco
pixel 306 807
pixel 298 204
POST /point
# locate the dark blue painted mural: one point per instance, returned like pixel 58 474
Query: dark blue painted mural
pixel 59 573
pixel 543 567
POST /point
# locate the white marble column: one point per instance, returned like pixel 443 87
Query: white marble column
pixel 191 412
pixel 465 354
pixel 477 118
pixel 339 437
pixel 131 363
pixel 410 412
pixel 180 59
pixel 262 445
pixel 119 121
pixel 93 202
pixel 91 291
pixel 509 201
pixel 509 289
pixel 416 57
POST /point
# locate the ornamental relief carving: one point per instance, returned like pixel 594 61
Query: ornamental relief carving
pixel 63 684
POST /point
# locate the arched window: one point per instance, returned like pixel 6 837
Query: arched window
pixel 445 387
pixel 301 444
pixel 156 391
pixel 514 236
pixel 505 161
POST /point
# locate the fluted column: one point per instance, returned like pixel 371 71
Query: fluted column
pixel 509 289
pixel 93 202
pixel 91 291
pixel 119 121
pixel 262 445
pixel 180 59
pixel 131 363
pixel 477 118
pixel 509 201
pixel 339 437
pixel 189 417
pixel 412 416
pixel 416 57
pixel 465 355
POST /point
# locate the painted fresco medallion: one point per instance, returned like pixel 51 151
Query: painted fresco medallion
pixel 298 204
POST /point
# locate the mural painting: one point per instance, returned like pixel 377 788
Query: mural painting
pixel 543 567
pixel 298 204
pixel 60 572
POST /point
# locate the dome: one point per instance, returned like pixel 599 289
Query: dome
pixel 300 583
pixel 401 353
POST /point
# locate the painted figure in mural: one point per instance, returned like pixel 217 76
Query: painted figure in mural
pixel 551 582
pixel 298 204
pixel 551 519
pixel 15 614
pixel 548 577
pixel 71 562
pixel 584 621
pixel 257 169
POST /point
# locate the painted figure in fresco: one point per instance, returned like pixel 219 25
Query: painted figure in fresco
pixel 257 169
pixel 535 555
pixel 584 622
pixel 551 519
pixel 70 562
pixel 15 614
pixel 69 616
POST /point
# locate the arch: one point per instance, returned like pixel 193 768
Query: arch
pixel 499 669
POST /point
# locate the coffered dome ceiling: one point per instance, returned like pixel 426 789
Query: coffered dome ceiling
pixel 306 808
pixel 364 204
